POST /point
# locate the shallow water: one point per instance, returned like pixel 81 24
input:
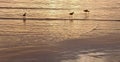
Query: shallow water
pixel 98 9
pixel 60 40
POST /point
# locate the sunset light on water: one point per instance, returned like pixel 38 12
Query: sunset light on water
pixel 59 31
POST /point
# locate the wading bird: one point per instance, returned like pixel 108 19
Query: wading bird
pixel 24 18
pixel 86 13
pixel 86 10
pixel 71 15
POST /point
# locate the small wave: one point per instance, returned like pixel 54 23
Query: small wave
pixel 57 19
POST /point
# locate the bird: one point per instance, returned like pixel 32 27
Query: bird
pixel 24 18
pixel 86 13
pixel 71 13
pixel 24 14
pixel 86 10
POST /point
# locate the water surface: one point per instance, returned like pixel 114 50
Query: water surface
pixel 60 40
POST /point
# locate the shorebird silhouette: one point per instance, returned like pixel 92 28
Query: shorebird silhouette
pixel 24 18
pixel 24 14
pixel 86 13
pixel 71 16
pixel 86 10
pixel 71 13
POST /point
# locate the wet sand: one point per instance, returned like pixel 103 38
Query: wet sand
pixel 55 41
pixel 49 35
pixel 100 48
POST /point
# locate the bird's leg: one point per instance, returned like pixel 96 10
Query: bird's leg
pixel 71 18
pixel 86 15
pixel 24 20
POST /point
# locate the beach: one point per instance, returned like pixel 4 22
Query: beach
pixel 48 33
pixel 51 41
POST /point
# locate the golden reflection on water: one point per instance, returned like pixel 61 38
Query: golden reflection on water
pixel 98 9
pixel 36 32
pixel 59 29
pixel 86 58
pixel 94 57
